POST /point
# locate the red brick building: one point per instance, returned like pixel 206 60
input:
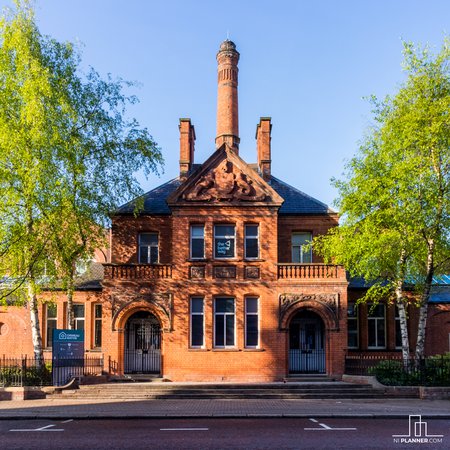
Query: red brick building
pixel 213 280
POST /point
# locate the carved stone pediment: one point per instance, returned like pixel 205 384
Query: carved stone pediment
pixel 224 177
pixel 225 183
pixel 329 301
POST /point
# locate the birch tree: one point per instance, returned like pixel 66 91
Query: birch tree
pixel 395 196
pixel 68 158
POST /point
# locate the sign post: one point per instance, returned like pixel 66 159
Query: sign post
pixel 67 355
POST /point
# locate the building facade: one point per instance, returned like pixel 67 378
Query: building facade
pixel 213 280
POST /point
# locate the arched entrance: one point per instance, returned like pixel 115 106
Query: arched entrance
pixel 142 352
pixel 306 343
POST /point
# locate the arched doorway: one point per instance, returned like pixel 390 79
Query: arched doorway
pixel 142 344
pixel 306 344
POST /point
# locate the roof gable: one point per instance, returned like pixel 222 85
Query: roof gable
pixel 225 179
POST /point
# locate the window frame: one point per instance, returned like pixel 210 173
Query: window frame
pixel 225 315
pixel 191 314
pixel 48 336
pixel 97 322
pixel 225 236
pixel 376 319
pixel 76 319
pixel 149 247
pixel 246 237
pixel 301 252
pixel 192 238
pixel 257 314
pixel 354 318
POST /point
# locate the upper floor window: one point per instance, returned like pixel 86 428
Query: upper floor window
pixel 224 241
pixel 376 324
pixel 352 325
pixel 50 325
pixel 148 248
pixel 301 251
pixel 251 241
pixel 197 241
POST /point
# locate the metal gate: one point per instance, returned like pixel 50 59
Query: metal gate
pixel 306 345
pixel 142 344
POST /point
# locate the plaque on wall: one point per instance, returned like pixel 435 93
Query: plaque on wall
pixel 225 272
pixel 197 272
pixel 252 272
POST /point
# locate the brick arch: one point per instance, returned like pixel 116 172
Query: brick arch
pixel 128 309
pixel 323 310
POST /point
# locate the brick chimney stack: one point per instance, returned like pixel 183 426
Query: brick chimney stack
pixel 227 96
pixel 187 142
pixel 263 138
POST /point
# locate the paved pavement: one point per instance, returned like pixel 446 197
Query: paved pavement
pixel 115 409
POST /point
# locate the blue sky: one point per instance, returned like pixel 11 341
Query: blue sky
pixel 306 64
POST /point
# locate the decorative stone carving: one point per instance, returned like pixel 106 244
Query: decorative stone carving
pixel 197 272
pixel 330 301
pixel 225 272
pixel 252 272
pixel 223 184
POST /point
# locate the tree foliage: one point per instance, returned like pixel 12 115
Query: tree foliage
pixel 395 197
pixel 68 157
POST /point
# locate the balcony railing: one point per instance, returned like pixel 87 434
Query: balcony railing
pixel 137 271
pixel 310 271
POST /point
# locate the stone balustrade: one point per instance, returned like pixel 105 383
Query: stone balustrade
pixel 292 271
pixel 137 271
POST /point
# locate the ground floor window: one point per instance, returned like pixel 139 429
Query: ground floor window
pixel 97 326
pixel 78 316
pixel 224 322
pixel 352 326
pixel 251 322
pixel 50 318
pixel 376 324
pixel 197 322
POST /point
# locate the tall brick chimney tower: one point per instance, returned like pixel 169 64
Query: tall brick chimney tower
pixel 227 96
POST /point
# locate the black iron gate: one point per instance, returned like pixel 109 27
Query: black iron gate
pixel 306 344
pixel 143 344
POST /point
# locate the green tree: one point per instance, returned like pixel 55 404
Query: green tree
pixel 395 199
pixel 68 155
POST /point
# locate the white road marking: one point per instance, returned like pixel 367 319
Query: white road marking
pixel 184 429
pixel 324 427
pixel 46 428
pixel 67 421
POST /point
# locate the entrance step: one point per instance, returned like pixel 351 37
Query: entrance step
pixel 160 390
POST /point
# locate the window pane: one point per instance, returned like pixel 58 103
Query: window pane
pixel 252 305
pixel 351 310
pixel 197 330
pixel 51 311
pixel 299 239
pixel 197 305
pixel 380 333
pixel 219 330
pixel 98 334
pixel 352 325
pixel 251 230
pixel 371 333
pixel 148 239
pixel 398 334
pixel 377 311
pixel 251 248
pixel 224 248
pixel 153 255
pixel 78 311
pixel 79 325
pixel 252 330
pixel 230 329
pixel 198 231
pixel 98 311
pixel 198 246
pixel 306 256
pixel 225 305
pixel 51 325
pixel 352 341
pixel 224 230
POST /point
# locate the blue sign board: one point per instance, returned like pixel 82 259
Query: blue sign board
pixel 67 355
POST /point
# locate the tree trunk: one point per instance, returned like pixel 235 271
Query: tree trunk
pixel 400 302
pixel 35 326
pixel 423 311
pixel 69 294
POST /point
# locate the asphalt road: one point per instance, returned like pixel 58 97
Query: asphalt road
pixel 225 433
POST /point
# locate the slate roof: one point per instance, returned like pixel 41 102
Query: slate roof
pixel 295 201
